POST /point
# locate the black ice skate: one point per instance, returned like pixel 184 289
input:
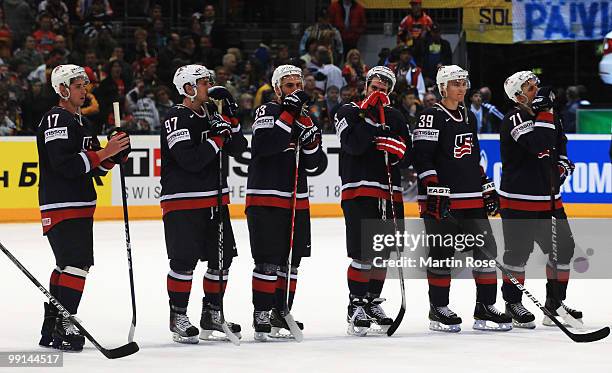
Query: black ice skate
pixel 66 336
pixel 46 332
pixel 358 321
pixel 442 319
pixel 380 321
pixel 280 329
pixel 261 324
pixel 180 326
pixel 212 329
pixel 569 316
pixel 521 317
pixel 489 318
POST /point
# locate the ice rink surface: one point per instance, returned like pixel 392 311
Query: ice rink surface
pixel 321 302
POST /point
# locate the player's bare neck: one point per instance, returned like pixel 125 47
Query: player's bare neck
pixel 68 106
pixel 195 106
pixel 450 104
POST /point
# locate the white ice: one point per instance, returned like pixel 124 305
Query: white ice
pixel 320 303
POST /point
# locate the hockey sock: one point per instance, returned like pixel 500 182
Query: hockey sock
pixel 281 285
pixel 264 286
pixel 179 288
pixel 563 274
pixel 54 282
pixel 486 286
pixel 510 292
pixel 377 281
pixel 212 288
pixel 439 287
pixel 71 283
pixel 358 278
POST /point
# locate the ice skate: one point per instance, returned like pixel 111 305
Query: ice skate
pixel 182 329
pixel 521 317
pixel 211 327
pixel 569 316
pixel 443 319
pixel 489 318
pixel 279 328
pixel 358 321
pixel 46 332
pixel 66 336
pixel 261 324
pixel 380 321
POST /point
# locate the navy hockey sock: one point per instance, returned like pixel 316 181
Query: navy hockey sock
pixel 179 288
pixel 377 281
pixel 281 284
pixel 563 274
pixel 264 286
pixel 439 287
pixel 212 288
pixel 358 278
pixel 486 286
pixel 510 292
pixel 71 283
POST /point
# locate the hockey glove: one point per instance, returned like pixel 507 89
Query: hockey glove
pixel 391 145
pixel 219 127
pixel 122 156
pixel 544 100
pixel 438 201
pixel 566 168
pixel 490 197
pixel 230 107
pixel 294 102
pixel 370 106
pixel 305 131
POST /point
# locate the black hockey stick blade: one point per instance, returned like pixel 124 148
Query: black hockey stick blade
pixel 582 337
pixel 397 321
pixel 119 352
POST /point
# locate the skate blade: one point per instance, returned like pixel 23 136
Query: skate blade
pixel 260 336
pixel 524 325
pixel 359 331
pixel 379 329
pixel 187 340
pixel 437 326
pixel 490 326
pixel 66 347
pixel 280 333
pixel 216 336
pixel 548 322
pixel 569 319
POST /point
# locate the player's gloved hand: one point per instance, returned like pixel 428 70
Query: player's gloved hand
pixel 294 102
pixel 393 145
pixel 490 197
pixel 544 100
pixel 566 168
pixel 220 128
pixel 220 93
pixel 119 137
pixel 371 106
pixel 306 133
pixel 438 201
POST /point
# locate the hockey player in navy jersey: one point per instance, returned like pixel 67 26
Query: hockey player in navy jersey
pixel 278 127
pixel 193 135
pixel 70 156
pixel 533 146
pixel 367 130
pixel 455 197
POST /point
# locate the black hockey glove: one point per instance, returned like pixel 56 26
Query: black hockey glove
pixel 306 133
pixel 566 168
pixel 294 102
pixel 544 100
pixel 230 107
pixel 219 127
pixel 122 156
pixel 490 197
pixel 438 201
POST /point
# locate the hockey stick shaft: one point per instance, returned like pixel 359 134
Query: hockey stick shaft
pixel 119 352
pixel 402 311
pixel 126 223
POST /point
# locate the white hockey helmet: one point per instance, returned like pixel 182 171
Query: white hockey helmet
pixel 283 71
pixel 449 73
pixel 189 74
pixel 514 84
pixel 64 75
pixel 383 73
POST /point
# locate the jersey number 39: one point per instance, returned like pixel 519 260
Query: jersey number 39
pixel 426 121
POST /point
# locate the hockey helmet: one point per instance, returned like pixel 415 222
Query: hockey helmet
pixel 383 73
pixel 283 71
pixel 448 73
pixel 514 84
pixel 64 75
pixel 189 74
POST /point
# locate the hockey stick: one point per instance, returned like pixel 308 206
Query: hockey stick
pixel 114 353
pixel 569 319
pixel 293 326
pixel 228 333
pixel 126 223
pixel 402 311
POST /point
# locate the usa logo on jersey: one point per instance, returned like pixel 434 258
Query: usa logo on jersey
pixel 463 145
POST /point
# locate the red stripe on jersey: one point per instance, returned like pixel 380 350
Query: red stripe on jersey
pixel 363 191
pixel 286 118
pixel 52 217
pixel 191 203
pixel 94 160
pixel 285 203
pixel 545 117
pixel 177 286
pixel 73 282
pixel 212 286
pixel 489 278
pixel 263 286
pixel 522 205
pixel 108 164
pixel 354 274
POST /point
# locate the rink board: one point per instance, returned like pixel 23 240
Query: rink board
pixel 588 193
